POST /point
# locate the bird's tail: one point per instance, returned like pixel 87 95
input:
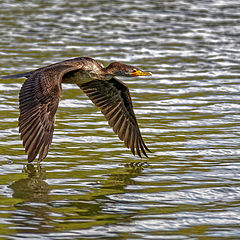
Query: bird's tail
pixel 19 75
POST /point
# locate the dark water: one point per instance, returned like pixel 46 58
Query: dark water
pixel 90 186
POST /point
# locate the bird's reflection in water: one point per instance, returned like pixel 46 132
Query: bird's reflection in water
pixel 125 176
pixel 95 204
pixel 32 211
pixel 33 188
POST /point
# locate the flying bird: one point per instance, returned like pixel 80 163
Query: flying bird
pixel 41 92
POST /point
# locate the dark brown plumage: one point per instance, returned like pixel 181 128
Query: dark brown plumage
pixel 41 92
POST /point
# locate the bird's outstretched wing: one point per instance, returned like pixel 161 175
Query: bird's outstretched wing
pixel 18 75
pixel 39 98
pixel 113 99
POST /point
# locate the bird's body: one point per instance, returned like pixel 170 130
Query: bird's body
pixel 41 92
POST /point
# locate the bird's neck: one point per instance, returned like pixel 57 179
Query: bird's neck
pixel 102 74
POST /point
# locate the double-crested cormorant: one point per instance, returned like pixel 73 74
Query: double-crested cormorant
pixel 41 92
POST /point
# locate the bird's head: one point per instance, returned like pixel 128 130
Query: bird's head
pixel 120 69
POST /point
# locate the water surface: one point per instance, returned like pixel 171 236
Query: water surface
pixel 90 186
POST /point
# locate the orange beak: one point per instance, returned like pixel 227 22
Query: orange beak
pixel 139 73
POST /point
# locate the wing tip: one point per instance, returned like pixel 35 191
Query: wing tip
pixel 140 150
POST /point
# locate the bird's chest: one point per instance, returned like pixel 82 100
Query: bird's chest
pixel 77 77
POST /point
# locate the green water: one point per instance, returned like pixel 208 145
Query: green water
pixel 90 186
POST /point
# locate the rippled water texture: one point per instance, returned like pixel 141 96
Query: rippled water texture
pixel 90 186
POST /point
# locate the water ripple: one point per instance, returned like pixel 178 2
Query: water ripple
pixel 90 185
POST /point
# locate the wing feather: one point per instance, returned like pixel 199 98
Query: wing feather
pixel 39 98
pixel 113 99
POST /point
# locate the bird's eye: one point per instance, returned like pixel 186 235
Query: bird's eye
pixel 134 70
